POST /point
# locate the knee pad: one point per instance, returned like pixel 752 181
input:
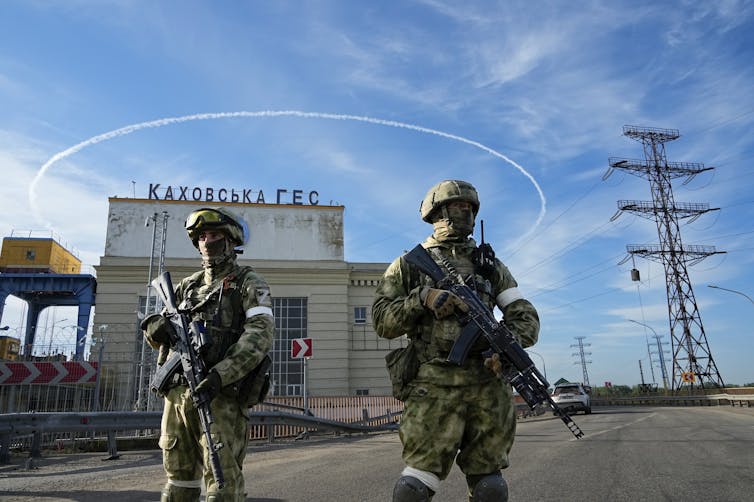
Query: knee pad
pixel 410 489
pixel 172 493
pixel 490 488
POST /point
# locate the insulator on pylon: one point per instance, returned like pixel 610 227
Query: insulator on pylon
pixel 635 275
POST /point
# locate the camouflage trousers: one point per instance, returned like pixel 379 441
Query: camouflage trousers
pixel 184 448
pixel 474 425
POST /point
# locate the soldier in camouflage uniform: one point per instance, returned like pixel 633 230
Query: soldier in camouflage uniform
pixel 462 413
pixel 233 304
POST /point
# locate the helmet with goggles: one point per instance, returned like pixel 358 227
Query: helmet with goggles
pixel 217 219
pixel 445 192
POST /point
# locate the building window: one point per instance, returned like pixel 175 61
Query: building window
pixel 359 315
pixel 362 392
pixel 155 305
pixel 287 374
pixel 31 254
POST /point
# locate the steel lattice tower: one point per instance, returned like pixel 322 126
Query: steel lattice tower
pixel 152 304
pixel 582 357
pixel 693 365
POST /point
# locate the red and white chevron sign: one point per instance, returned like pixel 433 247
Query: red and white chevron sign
pixel 47 373
pixel 301 348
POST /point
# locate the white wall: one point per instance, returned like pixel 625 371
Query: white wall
pixel 277 231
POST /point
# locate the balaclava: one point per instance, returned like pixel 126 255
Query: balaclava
pixel 218 258
pixel 453 224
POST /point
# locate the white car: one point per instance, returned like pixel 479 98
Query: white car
pixel 573 397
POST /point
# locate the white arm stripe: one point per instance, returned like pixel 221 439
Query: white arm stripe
pixel 258 311
pixel 508 296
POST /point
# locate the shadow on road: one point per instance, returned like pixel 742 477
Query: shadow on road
pixel 84 496
pixel 99 496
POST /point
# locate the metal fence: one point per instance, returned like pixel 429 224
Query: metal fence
pixel 43 378
pixel 277 418
pixel 366 410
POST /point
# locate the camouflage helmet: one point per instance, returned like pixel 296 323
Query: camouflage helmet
pixel 216 218
pixel 445 192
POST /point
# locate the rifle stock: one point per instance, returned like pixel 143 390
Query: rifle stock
pixel 187 343
pixel 519 369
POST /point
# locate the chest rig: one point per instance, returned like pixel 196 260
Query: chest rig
pixel 477 268
pixel 218 309
pixel 475 265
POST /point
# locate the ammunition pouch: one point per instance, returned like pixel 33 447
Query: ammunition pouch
pixel 402 366
pixel 253 388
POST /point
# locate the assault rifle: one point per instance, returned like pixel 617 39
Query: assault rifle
pixel 187 344
pixel 518 368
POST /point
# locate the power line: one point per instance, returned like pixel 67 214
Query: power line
pixel 573 204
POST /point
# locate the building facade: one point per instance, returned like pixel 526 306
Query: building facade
pixel 33 255
pixel 299 250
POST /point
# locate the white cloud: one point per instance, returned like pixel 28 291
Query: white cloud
pixel 76 214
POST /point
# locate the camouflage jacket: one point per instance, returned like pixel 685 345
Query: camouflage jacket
pixel 236 310
pixel 398 310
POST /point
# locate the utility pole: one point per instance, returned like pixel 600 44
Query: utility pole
pixel 641 372
pixel 693 364
pixel 582 357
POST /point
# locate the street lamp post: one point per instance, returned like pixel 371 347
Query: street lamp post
pixel 544 368
pixel 52 334
pixel 659 353
pixel 732 291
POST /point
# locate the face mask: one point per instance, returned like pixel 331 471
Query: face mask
pixel 216 252
pixel 455 224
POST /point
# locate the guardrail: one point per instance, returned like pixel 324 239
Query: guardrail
pixel 264 423
pixel 724 399
pixel 37 425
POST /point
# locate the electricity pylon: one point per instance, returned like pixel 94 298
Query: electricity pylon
pixel 693 364
pixel 582 357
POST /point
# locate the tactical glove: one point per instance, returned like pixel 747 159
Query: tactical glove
pixel 157 330
pixel 211 385
pixel 442 303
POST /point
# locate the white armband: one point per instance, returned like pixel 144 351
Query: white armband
pixel 507 297
pixel 258 311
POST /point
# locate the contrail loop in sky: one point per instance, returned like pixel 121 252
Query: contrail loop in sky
pixel 273 113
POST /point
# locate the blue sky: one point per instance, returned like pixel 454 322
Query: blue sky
pixel 548 85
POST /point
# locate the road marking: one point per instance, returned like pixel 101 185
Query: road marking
pixel 617 427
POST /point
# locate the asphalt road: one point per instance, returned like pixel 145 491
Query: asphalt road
pixel 648 454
